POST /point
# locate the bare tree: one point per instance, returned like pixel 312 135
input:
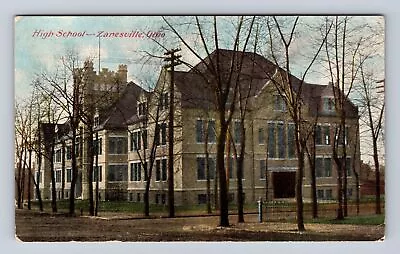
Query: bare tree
pixel 223 84
pixel 373 105
pixel 347 48
pixel 291 90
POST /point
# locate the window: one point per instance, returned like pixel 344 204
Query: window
pixel 328 104
pixel 97 173
pixel 138 197
pixel 158 170
pixel 281 141
pixel 320 194
pixel 348 166
pixel 144 138
pixel 346 136
pixel 135 141
pixel 237 132
pixel 212 165
pixel 158 198
pixel 161 170
pixel 211 131
pixel 291 141
pixel 98 146
pixel 117 145
pixel 328 194
pixel 279 104
pixel 145 171
pixel 69 175
pixel 201 172
pixel 163 133
pixel 262 169
pixel 58 155
pixel 271 140
pixel 349 192
pixel 96 121
pixel 38 177
pixel 163 198
pixel 199 131
pixel 328 167
pixel 164 169
pixel 231 167
pixel 58 176
pixel 323 167
pixel 260 136
pixel 201 199
pixel 157 135
pixel 324 194
pixel 69 152
pixel 322 135
pixel 318 135
pixel 77 148
pixel 142 108
pixel 117 173
pixel 326 135
pixel 164 101
pixel 136 172
pixel 231 197
pixel 339 135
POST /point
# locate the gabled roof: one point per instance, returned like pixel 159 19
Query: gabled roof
pixel 198 85
pixel 196 90
pixel 123 109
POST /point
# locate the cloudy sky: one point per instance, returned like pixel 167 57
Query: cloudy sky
pixel 41 41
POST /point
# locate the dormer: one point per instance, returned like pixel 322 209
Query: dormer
pixel 328 104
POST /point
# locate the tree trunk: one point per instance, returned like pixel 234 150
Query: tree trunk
pixel 39 166
pixel 314 189
pixel 239 174
pixel 30 178
pixel 223 191
pixel 62 170
pixel 299 179
pixel 96 208
pixel 377 180
pixel 146 199
pixel 311 159
pixel 53 180
pixel 299 192
pixel 74 170
pixel 90 160
pixel 207 167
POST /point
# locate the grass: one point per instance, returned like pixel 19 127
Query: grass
pixel 353 220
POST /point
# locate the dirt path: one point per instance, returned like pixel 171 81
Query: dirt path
pixel 34 226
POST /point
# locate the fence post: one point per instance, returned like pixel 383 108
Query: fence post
pixel 260 210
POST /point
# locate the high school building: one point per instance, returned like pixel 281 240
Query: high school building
pixel 132 135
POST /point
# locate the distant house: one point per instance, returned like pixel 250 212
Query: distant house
pixel 128 128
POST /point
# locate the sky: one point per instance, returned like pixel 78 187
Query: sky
pixel 40 42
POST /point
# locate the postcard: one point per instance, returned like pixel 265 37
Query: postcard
pixel 199 128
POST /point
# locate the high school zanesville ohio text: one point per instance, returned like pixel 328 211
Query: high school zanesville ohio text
pixel 102 34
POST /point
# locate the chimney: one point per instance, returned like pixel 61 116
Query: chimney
pixel 123 73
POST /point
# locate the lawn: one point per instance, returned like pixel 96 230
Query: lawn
pixel 353 220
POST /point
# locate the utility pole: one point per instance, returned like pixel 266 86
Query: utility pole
pixel 173 60
pixel 97 174
pixel 97 149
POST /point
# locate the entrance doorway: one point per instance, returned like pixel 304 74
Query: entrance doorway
pixel 284 184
